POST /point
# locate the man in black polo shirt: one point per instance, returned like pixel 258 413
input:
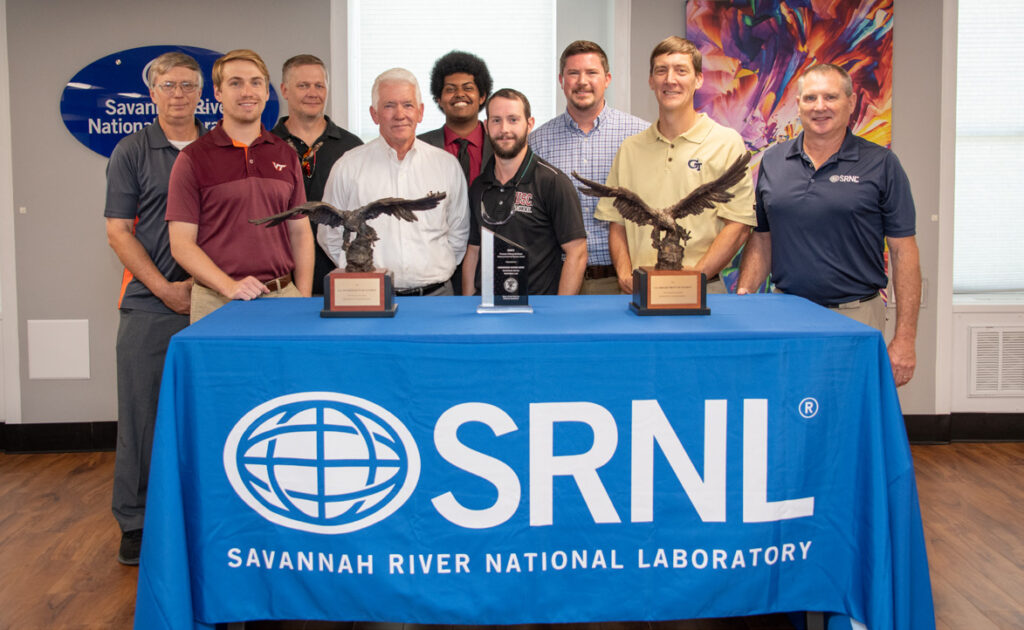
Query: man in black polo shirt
pixel 526 200
pixel 318 141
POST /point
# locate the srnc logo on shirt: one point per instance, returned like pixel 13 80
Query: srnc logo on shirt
pixel 695 164
pixel 845 179
pixel 279 167
pixel 524 202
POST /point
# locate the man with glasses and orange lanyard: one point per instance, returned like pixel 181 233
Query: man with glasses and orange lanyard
pixel 155 291
pixel 314 136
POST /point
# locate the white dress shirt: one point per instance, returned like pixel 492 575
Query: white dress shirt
pixel 419 253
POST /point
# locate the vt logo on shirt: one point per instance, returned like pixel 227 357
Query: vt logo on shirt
pixel 279 167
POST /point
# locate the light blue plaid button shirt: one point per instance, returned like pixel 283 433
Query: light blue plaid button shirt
pixel 561 142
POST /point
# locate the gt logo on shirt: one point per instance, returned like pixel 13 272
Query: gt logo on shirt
pixel 694 164
pixel 845 179
pixel 279 167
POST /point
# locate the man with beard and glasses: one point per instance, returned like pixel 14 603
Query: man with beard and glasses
pixel 314 136
pixel 584 139
pixel 524 199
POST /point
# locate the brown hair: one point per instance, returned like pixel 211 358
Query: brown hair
pixel 301 60
pixel 582 47
pixel 675 44
pixel 241 54
pixel 513 95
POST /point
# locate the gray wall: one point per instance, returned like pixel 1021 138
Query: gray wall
pixel 916 125
pixel 66 270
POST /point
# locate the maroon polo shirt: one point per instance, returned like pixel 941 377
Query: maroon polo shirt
pixel 219 186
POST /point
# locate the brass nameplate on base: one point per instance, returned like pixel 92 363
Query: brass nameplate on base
pixel 669 292
pixel 359 294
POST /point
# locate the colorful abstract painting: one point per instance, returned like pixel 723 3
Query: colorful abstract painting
pixel 754 50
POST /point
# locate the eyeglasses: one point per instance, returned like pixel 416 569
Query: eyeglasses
pixel 168 87
pixel 502 212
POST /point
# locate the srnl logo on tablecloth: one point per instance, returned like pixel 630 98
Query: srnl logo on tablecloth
pixel 322 462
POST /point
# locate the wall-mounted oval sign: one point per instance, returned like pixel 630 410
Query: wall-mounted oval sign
pixel 109 99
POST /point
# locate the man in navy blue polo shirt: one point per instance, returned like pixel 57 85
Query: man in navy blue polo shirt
pixel 826 203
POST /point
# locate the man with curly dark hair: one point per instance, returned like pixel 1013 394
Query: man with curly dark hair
pixel 460 84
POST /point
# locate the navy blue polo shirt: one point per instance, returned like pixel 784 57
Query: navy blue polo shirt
pixel 828 225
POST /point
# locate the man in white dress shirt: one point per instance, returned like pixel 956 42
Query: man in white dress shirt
pixel 422 254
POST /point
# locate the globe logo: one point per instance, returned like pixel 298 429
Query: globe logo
pixel 322 462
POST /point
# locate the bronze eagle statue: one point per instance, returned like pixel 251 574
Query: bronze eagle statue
pixel 358 237
pixel 667 236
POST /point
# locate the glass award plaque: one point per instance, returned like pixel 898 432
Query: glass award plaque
pixel 359 294
pixel 669 292
pixel 503 275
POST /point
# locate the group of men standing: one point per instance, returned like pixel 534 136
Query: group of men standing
pixel 179 202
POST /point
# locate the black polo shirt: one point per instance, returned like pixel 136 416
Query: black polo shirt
pixel 537 209
pixel 828 225
pixel 316 166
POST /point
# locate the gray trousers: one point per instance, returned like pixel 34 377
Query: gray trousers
pixel 142 339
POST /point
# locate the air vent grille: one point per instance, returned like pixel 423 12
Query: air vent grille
pixel 997 361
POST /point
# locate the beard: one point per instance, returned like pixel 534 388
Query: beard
pixel 510 153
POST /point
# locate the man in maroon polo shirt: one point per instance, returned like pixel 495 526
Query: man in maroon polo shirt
pixel 239 171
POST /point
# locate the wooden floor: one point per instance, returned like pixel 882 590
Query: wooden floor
pixel 58 543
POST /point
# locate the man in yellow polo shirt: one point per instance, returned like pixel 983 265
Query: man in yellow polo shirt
pixel 663 164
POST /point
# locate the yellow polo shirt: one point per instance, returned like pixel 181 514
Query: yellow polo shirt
pixel 663 171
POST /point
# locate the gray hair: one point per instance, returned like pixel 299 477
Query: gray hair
pixel 165 62
pixel 394 75
pixel 825 68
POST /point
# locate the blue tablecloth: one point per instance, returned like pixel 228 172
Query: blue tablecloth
pixel 578 464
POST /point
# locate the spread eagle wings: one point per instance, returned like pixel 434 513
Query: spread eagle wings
pixel 633 208
pixel 323 213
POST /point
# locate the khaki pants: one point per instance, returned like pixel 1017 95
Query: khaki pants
pixel 206 300
pixel 871 312
pixel 601 286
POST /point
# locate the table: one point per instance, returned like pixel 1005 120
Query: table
pixel 578 464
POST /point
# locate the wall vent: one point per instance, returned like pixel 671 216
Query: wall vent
pixel 997 361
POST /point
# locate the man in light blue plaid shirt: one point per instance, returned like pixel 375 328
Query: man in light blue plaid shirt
pixel 585 139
